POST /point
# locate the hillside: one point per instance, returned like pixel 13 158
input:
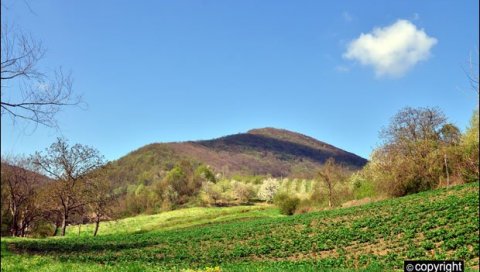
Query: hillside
pixel 35 177
pixel 376 237
pixel 177 219
pixel 266 151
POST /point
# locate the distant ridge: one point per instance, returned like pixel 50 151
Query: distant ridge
pixel 263 151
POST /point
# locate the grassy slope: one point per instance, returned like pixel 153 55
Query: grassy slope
pixel 440 224
pixel 177 219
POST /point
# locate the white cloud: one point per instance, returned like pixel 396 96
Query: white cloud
pixel 391 50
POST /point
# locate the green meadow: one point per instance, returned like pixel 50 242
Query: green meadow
pixel 176 219
pixel 438 224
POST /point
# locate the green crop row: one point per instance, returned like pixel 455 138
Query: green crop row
pixel 441 224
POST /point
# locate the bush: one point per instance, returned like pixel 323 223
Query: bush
pixel 286 203
pixel 469 166
pixel 242 192
pixel 362 187
pixel 42 229
pixel 211 193
pixel 306 206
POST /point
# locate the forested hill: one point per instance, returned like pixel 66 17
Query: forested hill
pixel 266 151
pixel 24 172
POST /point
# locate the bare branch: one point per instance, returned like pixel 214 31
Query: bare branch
pixel 472 73
pixel 27 92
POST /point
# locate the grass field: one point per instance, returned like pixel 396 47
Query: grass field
pixel 176 219
pixel 440 224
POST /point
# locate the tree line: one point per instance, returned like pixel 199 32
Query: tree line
pixel 421 150
pixel 54 188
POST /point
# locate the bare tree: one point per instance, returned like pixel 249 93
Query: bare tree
pixel 70 166
pixel 29 93
pixel 473 74
pixel 21 187
pixel 52 210
pixel 418 152
pixel 330 175
pixel 100 196
pixel 414 124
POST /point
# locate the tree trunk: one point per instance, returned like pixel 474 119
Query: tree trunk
pixel 22 230
pixel 64 224
pixel 58 223
pixel 14 228
pixel 446 170
pixel 56 230
pixel 97 224
pixel 330 194
pixel 14 224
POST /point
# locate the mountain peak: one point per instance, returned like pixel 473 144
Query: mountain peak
pixel 287 135
pixel 270 130
pixel 262 151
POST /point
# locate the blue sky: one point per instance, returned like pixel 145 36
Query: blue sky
pixel 159 71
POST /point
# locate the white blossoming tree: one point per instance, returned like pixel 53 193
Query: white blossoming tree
pixel 268 189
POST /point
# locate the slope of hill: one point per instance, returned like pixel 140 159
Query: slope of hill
pixel 177 219
pixel 36 178
pixel 440 224
pixel 258 152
